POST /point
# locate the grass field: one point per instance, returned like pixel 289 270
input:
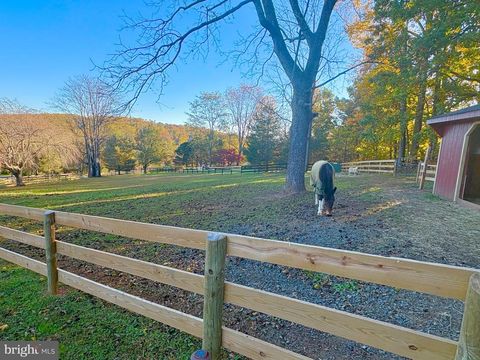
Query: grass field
pixel 85 327
pixel 374 214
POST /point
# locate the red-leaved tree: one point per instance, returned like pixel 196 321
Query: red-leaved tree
pixel 227 157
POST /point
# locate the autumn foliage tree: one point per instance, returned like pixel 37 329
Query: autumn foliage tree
pixel 150 146
pixel 227 157
pixel 207 111
pixel 423 60
pixel 119 153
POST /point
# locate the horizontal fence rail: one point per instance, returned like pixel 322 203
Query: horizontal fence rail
pixel 402 273
pixel 31 179
pixel 372 166
pixel 197 170
pixel 259 168
pixel 232 340
pixel 441 280
pixel 431 171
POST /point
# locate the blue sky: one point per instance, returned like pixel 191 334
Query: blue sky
pixel 44 42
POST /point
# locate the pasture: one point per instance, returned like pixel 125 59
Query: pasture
pixel 377 214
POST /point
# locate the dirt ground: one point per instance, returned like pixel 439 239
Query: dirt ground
pixel 377 214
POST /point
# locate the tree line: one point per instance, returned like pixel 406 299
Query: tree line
pixel 421 59
pixel 242 124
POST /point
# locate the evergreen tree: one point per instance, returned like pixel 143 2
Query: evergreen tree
pixel 264 139
pixel 185 153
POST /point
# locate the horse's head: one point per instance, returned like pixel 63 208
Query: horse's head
pixel 328 200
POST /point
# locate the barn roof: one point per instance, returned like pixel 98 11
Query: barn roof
pixel 469 113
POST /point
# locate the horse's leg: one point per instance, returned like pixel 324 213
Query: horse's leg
pixel 320 207
pixel 316 198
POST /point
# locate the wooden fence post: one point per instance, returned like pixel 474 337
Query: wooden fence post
pixel 419 167
pixel 469 343
pixel 51 252
pixel 425 168
pixel 214 292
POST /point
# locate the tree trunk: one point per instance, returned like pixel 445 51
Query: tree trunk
pixel 90 164
pixel 18 178
pixel 309 137
pixel 438 96
pixel 145 168
pixel 437 108
pixel 211 139
pixel 301 119
pixel 417 127
pixel 403 131
pixel 240 153
pixel 94 169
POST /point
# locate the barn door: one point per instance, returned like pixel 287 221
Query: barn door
pixel 470 190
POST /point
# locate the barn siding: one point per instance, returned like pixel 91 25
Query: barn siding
pixel 449 160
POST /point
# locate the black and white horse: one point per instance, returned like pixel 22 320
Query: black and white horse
pixel 321 178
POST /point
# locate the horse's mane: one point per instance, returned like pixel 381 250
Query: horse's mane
pixel 326 177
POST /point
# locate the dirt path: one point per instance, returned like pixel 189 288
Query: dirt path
pixel 374 214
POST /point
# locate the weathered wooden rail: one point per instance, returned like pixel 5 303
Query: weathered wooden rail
pixel 431 172
pixel 33 179
pixel 372 166
pixel 197 170
pixel 441 280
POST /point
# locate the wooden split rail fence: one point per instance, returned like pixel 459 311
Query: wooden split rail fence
pixel 372 166
pixel 426 172
pixel 33 179
pixel 441 280
pixel 430 173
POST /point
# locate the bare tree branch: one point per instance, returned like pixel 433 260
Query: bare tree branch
pixel 344 72
pixel 297 47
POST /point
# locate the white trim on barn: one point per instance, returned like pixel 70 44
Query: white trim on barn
pixel 436 169
pixel 463 155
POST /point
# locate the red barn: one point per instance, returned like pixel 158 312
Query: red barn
pixel 458 167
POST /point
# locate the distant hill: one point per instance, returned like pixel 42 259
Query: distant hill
pixel 174 133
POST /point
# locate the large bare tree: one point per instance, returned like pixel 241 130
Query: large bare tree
pixel 27 138
pixel 21 144
pixel 293 31
pixel 241 103
pixel 92 104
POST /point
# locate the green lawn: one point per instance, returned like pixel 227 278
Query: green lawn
pixel 73 317
pixel 374 214
pixel 85 327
